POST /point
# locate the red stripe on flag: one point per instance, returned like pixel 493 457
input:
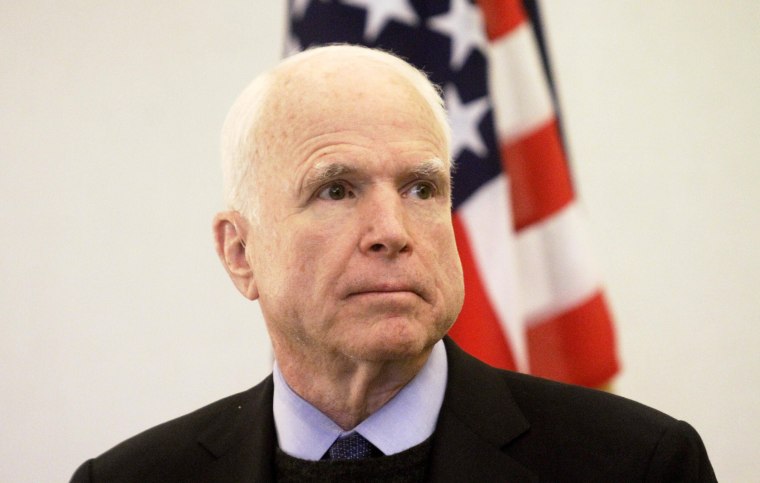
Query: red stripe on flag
pixel 577 346
pixel 539 180
pixel 477 329
pixel 501 16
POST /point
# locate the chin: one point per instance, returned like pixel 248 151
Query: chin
pixel 393 343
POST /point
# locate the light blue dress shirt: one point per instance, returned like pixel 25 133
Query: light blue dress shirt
pixel 406 420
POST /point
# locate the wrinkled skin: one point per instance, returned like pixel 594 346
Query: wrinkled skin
pixel 352 256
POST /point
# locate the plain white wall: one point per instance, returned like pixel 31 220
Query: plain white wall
pixel 116 314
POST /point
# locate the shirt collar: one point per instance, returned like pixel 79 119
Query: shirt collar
pixel 406 420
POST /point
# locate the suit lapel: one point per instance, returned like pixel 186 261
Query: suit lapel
pixel 243 439
pixel 478 419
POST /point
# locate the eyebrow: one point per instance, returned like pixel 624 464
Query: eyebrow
pixel 324 173
pixel 330 171
pixel 431 168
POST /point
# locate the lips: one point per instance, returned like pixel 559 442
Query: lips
pixel 384 288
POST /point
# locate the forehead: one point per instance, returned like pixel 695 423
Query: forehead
pixel 323 96
pixel 337 80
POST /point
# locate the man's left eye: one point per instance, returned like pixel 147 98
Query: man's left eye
pixel 422 190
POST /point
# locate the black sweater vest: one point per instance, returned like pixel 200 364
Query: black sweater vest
pixel 405 467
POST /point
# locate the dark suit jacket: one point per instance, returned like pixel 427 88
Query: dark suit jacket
pixel 494 426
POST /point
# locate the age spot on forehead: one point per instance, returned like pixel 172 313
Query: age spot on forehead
pixel 320 97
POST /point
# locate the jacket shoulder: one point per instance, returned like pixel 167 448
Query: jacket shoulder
pixel 583 405
pixel 562 432
pixel 169 450
pixel 586 428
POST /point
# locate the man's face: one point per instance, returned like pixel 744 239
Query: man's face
pixel 354 250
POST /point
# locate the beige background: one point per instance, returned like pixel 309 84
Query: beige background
pixel 116 314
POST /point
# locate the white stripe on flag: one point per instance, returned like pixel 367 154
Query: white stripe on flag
pixel 487 218
pixel 556 265
pixel 519 91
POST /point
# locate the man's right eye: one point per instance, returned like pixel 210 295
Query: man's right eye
pixel 335 192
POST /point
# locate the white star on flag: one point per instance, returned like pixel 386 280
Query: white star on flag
pixel 463 23
pixel 464 120
pixel 298 8
pixel 380 12
pixel 292 45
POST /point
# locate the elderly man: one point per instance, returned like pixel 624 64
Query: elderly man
pixel 337 174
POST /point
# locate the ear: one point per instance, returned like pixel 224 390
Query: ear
pixel 230 233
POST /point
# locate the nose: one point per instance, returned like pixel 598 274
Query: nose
pixel 385 225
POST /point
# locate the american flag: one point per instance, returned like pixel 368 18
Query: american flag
pixel 533 299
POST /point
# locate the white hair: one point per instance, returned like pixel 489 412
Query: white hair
pixel 240 147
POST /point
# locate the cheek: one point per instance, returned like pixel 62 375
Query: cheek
pixel 447 262
pixel 440 232
pixel 314 254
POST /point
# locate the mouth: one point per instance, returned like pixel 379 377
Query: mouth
pixel 384 290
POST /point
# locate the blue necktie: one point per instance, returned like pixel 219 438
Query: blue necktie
pixel 352 447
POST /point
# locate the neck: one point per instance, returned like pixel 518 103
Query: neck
pixel 347 390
